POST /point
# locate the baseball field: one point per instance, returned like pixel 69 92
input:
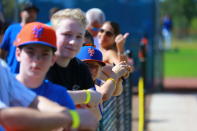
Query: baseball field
pixel 181 60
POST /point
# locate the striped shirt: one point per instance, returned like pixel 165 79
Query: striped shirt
pixel 12 92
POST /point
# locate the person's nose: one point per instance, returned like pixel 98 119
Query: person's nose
pixel 37 57
pixel 72 41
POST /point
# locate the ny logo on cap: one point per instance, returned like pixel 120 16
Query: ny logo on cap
pixel 37 31
pixel 91 51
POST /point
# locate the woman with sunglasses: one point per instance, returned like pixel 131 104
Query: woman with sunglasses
pixel 112 45
pixel 112 42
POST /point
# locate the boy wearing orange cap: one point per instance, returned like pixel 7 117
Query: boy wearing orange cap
pixel 36 44
pixel 21 109
pixel 7 49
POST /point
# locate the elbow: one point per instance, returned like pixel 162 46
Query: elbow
pixel 117 93
pixel 106 98
pixel 8 119
pixel 105 94
pixel 7 115
pixel 12 119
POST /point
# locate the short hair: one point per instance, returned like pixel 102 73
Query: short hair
pixel 29 6
pixel 53 11
pixel 95 14
pixel 3 27
pixel 76 14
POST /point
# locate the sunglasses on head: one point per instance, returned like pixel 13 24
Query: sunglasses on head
pixel 108 33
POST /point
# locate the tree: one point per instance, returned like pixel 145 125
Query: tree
pixel 182 12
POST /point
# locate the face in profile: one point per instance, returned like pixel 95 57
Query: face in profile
pixel 70 37
pixel 94 67
pixel 106 35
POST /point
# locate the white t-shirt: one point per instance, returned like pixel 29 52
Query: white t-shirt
pixel 96 43
pixel 2 105
pixel 12 92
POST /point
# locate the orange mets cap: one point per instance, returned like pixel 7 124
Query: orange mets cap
pixel 36 33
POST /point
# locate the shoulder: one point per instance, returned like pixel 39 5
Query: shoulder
pixel 111 52
pixel 2 105
pixel 53 86
pixel 59 90
pixel 110 56
pixel 75 60
pixel 4 69
pixel 12 29
pixel 3 64
pixel 55 67
pixel 81 63
pixel 14 26
pixel 78 63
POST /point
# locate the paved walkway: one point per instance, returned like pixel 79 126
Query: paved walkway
pixel 180 83
pixel 172 112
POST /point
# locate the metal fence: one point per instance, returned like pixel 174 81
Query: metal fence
pixel 117 111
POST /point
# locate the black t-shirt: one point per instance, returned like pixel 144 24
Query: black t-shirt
pixel 76 76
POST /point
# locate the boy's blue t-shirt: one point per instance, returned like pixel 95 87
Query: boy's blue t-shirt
pixel 56 93
pixel 1 128
pixel 8 45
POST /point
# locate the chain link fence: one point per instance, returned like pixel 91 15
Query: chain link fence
pixel 117 111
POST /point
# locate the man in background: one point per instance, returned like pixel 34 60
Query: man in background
pixel 51 12
pixel 7 49
pixel 95 18
pixel 167 26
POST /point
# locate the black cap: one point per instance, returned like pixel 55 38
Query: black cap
pixel 30 6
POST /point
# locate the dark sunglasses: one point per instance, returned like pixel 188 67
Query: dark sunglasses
pixel 108 33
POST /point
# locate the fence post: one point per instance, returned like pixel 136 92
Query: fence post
pixel 142 83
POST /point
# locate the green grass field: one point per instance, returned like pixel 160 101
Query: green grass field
pixel 181 61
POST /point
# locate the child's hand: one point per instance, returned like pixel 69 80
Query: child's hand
pixel 121 69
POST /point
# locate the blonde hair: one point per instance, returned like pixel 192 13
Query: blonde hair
pixel 76 14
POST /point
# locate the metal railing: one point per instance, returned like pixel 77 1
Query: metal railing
pixel 117 111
